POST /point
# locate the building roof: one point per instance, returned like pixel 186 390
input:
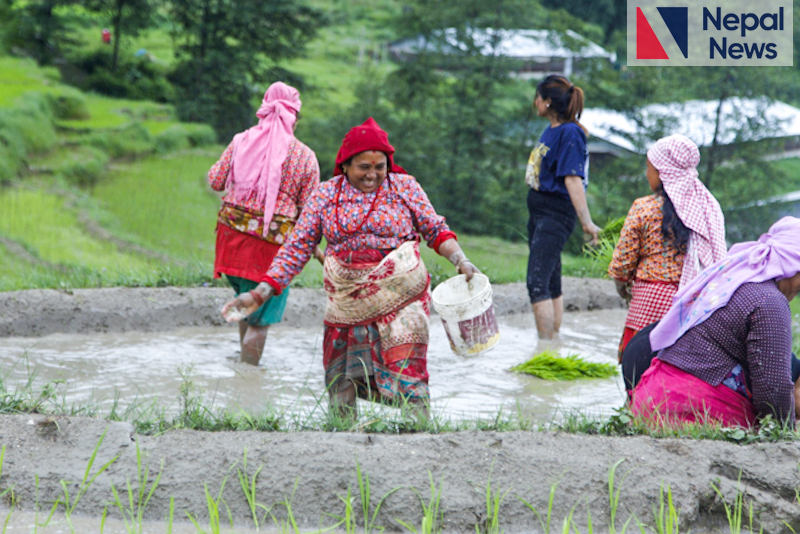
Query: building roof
pixel 519 44
pixel 696 119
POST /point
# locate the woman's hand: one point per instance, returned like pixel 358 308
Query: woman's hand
pixel 246 303
pixel 577 195
pixel 467 269
pixel 624 290
pixel 319 255
pixel 451 250
pixel 591 229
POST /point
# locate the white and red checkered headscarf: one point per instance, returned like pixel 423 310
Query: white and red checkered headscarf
pixel 676 158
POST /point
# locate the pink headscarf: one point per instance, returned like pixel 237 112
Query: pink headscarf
pixel 776 255
pixel 676 158
pixel 259 152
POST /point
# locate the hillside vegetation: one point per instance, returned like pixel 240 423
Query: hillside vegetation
pixel 102 164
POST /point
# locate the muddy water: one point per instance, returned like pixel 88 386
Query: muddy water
pixel 145 366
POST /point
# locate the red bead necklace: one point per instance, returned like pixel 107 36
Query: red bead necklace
pixel 371 208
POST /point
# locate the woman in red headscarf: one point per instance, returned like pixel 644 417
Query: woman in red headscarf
pixel 267 175
pixel 372 215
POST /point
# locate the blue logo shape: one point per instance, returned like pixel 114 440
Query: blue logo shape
pixel 677 20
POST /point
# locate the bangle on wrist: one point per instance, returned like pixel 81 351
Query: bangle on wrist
pixel 461 262
pixel 257 297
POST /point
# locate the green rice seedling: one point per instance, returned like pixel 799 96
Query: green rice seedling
pixel 348 520
pixel 667 516
pixel 491 522
pixel 544 522
pixel 548 365
pixel 248 486
pixel 613 499
pixel 214 508
pixel 366 500
pixel 290 524
pixel 170 514
pixel 7 490
pixel 133 514
pixel 569 522
pixel 602 253
pixel 734 512
pixel 432 515
pixel 69 502
pixel 103 519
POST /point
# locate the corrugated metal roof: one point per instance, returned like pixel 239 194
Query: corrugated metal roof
pixel 696 119
pixel 521 44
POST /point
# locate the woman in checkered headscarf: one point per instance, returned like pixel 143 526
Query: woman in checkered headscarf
pixel 649 266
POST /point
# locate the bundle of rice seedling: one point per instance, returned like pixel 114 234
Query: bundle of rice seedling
pixel 548 365
pixel 603 252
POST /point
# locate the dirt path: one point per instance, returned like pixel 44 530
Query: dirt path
pixel 122 309
pixel 323 465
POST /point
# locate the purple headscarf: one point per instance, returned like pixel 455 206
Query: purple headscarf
pixel 259 152
pixel 776 255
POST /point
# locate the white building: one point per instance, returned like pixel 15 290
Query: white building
pixel 741 120
pixel 534 52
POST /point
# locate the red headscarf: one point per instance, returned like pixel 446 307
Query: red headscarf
pixel 368 136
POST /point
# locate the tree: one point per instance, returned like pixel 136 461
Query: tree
pixel 458 118
pixel 228 48
pixel 39 27
pixel 127 17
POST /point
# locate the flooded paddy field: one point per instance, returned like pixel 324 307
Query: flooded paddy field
pixel 95 345
pixel 137 366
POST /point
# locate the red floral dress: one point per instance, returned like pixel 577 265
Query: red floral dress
pixel 384 356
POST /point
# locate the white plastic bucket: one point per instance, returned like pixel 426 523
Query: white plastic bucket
pixel 467 313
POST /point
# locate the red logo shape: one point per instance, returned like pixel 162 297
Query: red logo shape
pixel 647 44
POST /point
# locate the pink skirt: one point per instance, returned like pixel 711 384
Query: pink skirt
pixel 668 396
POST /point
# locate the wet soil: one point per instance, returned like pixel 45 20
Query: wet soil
pixel 313 469
pixel 124 309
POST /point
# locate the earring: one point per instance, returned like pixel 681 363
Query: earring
pixel 548 105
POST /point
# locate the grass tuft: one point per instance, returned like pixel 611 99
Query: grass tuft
pixel 548 365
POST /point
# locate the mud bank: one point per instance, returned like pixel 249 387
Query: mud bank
pixel 323 465
pixel 122 309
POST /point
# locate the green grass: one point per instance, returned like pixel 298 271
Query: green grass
pixel 41 221
pixel 163 203
pixel 548 365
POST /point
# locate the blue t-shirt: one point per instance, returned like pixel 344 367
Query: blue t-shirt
pixel 560 152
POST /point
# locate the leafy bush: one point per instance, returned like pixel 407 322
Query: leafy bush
pixel 182 136
pixel 172 139
pixel 25 129
pixel 137 78
pixel 87 168
pixel 69 104
pixel 131 140
pixel 200 134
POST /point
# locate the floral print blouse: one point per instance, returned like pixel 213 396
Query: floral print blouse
pixel 401 213
pixel 641 252
pixel 299 178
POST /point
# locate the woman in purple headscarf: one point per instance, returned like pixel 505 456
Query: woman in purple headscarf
pixel 726 343
pixel 267 175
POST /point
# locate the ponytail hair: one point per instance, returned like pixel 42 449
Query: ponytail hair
pixel 672 228
pixel 566 100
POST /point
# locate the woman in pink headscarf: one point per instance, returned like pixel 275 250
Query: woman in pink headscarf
pixel 668 237
pixel 726 343
pixel 267 175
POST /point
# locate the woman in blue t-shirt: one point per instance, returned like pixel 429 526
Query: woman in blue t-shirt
pixel 558 172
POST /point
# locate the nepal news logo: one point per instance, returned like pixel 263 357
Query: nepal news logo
pixel 647 44
pixel 708 34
